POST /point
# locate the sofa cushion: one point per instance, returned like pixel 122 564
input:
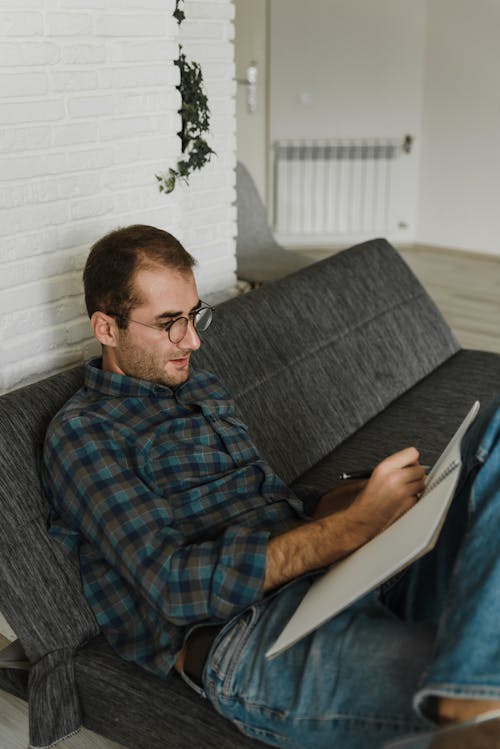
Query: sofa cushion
pixel 426 417
pixel 129 705
pixel 311 358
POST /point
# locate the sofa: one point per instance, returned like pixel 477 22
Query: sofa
pixel 332 367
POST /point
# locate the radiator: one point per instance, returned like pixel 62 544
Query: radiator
pixel 333 188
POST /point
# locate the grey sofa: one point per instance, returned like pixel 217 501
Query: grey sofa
pixel 332 367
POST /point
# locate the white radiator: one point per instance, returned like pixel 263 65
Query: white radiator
pixel 333 188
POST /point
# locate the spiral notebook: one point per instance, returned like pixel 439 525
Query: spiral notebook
pixel 410 537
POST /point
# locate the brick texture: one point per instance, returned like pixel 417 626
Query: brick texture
pixel 88 107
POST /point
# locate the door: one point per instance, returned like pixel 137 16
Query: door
pixel 251 33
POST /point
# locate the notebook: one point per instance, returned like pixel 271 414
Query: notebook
pixel 412 535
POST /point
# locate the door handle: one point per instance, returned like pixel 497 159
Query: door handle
pixel 251 85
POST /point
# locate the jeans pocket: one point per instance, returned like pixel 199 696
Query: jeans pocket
pixel 227 647
pixel 233 652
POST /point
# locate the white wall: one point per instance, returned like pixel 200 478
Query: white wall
pixel 431 68
pixel 89 108
pixel 352 69
pixel 251 25
pixel 460 166
pixel 343 68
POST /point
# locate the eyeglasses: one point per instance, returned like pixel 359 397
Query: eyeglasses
pixel 177 329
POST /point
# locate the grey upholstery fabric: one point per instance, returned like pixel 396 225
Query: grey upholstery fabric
pixel 259 257
pixel 426 416
pixel 40 593
pixel 313 360
pixel 121 701
pixel 143 711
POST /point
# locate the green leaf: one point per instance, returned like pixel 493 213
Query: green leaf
pixel 178 13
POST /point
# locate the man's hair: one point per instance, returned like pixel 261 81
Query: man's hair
pixel 109 274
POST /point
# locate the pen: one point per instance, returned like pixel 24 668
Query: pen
pixel 364 474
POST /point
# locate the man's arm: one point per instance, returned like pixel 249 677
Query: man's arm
pixel 392 489
pixel 96 491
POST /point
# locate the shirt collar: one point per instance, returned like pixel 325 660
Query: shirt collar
pixel 201 386
pixel 117 385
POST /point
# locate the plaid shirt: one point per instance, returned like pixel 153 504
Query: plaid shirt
pixel 165 501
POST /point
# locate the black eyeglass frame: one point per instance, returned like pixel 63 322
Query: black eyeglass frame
pixel 166 327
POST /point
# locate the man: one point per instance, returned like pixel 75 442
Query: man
pixel 194 554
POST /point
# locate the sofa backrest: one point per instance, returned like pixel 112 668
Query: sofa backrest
pixel 311 358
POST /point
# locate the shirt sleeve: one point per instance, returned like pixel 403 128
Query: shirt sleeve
pixel 94 489
pixel 308 495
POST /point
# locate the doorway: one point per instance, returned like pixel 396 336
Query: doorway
pixel 252 60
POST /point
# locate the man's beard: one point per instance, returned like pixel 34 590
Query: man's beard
pixel 145 365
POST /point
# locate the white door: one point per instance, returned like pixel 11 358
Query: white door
pixel 251 31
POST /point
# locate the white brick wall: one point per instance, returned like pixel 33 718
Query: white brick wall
pixel 88 108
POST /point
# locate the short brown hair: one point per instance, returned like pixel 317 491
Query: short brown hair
pixel 108 277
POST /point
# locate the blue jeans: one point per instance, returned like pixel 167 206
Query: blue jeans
pixel 372 673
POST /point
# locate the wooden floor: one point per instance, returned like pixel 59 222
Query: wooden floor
pixel 466 288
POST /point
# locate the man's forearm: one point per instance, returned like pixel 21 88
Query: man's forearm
pixel 311 546
pixel 357 516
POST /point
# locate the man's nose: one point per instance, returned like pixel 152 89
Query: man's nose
pixel 191 339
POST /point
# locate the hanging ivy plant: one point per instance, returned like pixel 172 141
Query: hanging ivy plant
pixel 195 119
pixel 178 12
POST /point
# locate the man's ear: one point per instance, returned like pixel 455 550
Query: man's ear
pixel 104 328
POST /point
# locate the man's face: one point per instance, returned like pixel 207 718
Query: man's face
pixel 146 353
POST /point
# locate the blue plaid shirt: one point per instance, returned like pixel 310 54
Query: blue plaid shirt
pixel 165 501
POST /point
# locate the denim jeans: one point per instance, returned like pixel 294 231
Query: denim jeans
pixel 370 674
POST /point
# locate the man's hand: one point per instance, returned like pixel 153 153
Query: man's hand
pixel 346 519
pixel 391 490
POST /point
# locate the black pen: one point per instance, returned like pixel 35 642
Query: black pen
pixel 344 476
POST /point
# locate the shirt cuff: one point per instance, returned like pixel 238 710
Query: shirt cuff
pixel 240 572
pixel 308 495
